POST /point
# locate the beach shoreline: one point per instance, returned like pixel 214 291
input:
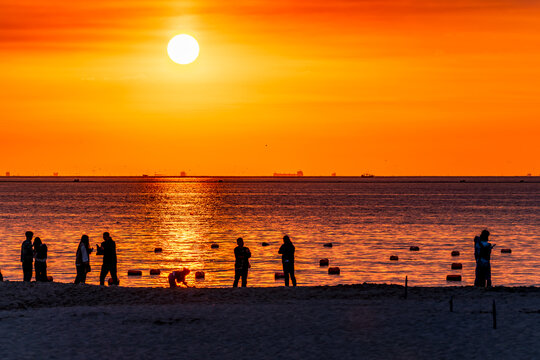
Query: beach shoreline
pixel 371 321
pixel 21 295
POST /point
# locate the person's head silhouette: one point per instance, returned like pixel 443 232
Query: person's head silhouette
pixel 85 240
pixel 240 242
pixel 37 242
pixel 29 235
pixel 484 235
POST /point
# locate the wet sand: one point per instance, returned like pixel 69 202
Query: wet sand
pixel 65 321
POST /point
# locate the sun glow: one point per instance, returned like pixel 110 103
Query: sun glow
pixel 183 49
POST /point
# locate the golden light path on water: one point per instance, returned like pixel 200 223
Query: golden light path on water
pixel 367 221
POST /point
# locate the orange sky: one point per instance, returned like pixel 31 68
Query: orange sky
pixel 389 87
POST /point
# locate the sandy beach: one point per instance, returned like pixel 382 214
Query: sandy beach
pixel 64 321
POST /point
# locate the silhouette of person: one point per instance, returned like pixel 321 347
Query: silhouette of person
pixel 108 250
pixel 178 276
pixel 241 264
pixel 287 258
pixel 1 276
pixel 82 260
pixel 483 260
pixel 40 260
pixel 27 256
pixel 477 271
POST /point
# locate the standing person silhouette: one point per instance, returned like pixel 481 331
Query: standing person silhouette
pixel 241 264
pixel 287 258
pixel 27 256
pixel 108 250
pixel 82 260
pixel 40 260
pixel 483 262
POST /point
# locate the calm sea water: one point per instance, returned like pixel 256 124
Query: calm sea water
pixel 367 220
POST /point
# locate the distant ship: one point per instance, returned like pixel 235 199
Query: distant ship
pixel 366 175
pixel 299 173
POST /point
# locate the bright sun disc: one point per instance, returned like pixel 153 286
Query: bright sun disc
pixel 183 49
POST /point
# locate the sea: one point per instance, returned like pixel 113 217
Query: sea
pixel 366 220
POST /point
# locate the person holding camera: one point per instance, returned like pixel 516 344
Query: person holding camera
pixel 108 250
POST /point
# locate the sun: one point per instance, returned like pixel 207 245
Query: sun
pixel 183 49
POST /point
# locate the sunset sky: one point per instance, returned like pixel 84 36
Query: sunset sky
pixel 390 87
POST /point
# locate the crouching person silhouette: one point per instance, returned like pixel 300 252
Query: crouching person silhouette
pixel 178 277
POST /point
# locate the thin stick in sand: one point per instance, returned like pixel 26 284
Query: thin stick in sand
pixel 494 313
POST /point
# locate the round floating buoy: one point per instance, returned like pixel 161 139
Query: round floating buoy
pixel 158 250
pixel 328 245
pixel 199 275
pixel 324 262
pixel 279 275
pixel 155 271
pixel 456 266
pixel 334 271
pixel 134 272
pixel 506 251
pixel 214 246
pixel 414 248
pixel 453 277
pixel 265 244
pixel 455 253
pixel 394 258
pixel 49 278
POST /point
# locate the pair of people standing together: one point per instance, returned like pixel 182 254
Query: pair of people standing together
pixel 34 256
pixel 107 249
pixel 242 255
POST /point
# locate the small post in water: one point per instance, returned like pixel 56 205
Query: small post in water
pixel 494 313
pixel 451 303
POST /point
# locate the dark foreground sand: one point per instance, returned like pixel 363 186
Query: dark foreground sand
pixel 64 321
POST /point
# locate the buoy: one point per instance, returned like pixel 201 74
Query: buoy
pixel 265 244
pixel 324 262
pixel 49 278
pixel 414 248
pixel 279 275
pixel 456 266
pixel 134 272
pixel 155 271
pixel 199 275
pixel 158 250
pixel 453 277
pixel 328 245
pixel 334 271
pixel 506 251
pixel 394 258
pixel 214 246
pixel 455 253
